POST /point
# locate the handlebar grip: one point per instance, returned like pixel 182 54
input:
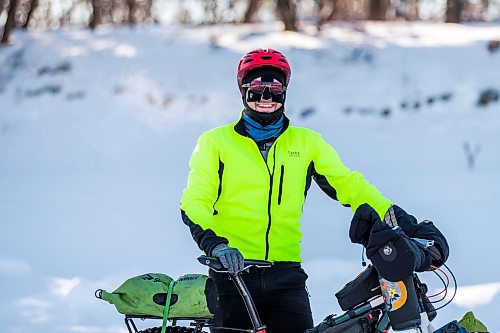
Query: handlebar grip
pixel 216 265
pixel 211 262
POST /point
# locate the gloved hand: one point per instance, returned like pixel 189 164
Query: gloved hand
pixel 394 254
pixel 231 258
pixel 366 217
pixel 388 244
pixel 439 252
pixel 361 224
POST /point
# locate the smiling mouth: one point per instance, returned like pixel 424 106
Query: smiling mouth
pixel 266 106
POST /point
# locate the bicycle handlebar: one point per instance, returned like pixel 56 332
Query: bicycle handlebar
pixel 217 266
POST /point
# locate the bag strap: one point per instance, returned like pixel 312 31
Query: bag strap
pixel 167 306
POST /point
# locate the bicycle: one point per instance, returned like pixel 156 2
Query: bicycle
pixel 368 311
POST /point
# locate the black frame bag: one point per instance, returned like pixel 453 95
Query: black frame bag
pixel 362 288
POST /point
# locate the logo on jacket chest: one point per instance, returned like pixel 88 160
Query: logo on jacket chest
pixel 292 153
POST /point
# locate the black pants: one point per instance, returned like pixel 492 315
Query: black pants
pixel 279 294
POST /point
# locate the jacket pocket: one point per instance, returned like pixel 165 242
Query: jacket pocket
pixel 280 191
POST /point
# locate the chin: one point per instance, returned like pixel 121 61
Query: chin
pixel 266 110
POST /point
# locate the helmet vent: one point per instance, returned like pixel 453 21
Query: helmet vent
pixel 248 60
pixel 266 57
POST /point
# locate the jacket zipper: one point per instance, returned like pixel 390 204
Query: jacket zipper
pixel 281 183
pixel 271 176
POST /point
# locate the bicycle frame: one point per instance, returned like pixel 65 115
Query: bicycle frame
pixel 376 308
pixel 249 304
pixel 383 324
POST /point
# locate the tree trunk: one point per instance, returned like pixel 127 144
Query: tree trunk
pixel 407 9
pixel 131 11
pixel 11 21
pixel 96 18
pixel 327 10
pixel 253 7
pixel 66 16
pixel 414 10
pixel 454 10
pixel 485 4
pixel 148 13
pixel 341 10
pixel 378 10
pixel 286 11
pixel 29 15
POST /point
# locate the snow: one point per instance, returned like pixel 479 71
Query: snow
pixel 94 151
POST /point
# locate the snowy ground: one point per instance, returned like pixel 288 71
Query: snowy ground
pixel 96 130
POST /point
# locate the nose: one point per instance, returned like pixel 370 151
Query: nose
pixel 266 94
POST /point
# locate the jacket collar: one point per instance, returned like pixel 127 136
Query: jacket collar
pixel 239 127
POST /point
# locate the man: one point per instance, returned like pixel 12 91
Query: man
pixel 245 193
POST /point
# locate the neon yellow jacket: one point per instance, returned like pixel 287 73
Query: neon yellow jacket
pixel 234 196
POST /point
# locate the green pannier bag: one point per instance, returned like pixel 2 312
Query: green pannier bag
pixel 472 324
pixel 193 296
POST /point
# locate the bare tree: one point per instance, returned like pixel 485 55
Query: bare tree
pixel 287 13
pixel 377 10
pixel 324 11
pixel 29 15
pixel 65 18
pixel 485 6
pixel 102 12
pixel 10 23
pixel 184 16
pixel 407 9
pixel 475 11
pixel 328 10
pixel 252 9
pixel 147 10
pixel 96 18
pixel 210 7
pixel 454 10
pixel 131 4
pixel 471 153
pixel 341 10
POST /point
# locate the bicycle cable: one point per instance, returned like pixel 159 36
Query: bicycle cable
pixel 454 292
pixel 445 284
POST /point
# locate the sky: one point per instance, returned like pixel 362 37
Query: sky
pixel 96 130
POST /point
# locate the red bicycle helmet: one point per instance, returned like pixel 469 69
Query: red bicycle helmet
pixel 261 58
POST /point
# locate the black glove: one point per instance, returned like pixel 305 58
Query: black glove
pixel 387 245
pixel 231 258
pixel 439 252
pixel 361 224
pixel 394 254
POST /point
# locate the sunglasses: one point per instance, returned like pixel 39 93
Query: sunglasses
pixel 258 87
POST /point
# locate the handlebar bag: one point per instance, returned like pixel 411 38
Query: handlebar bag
pixel 362 288
pixel 193 296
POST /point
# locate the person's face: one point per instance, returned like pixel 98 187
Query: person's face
pixel 262 100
